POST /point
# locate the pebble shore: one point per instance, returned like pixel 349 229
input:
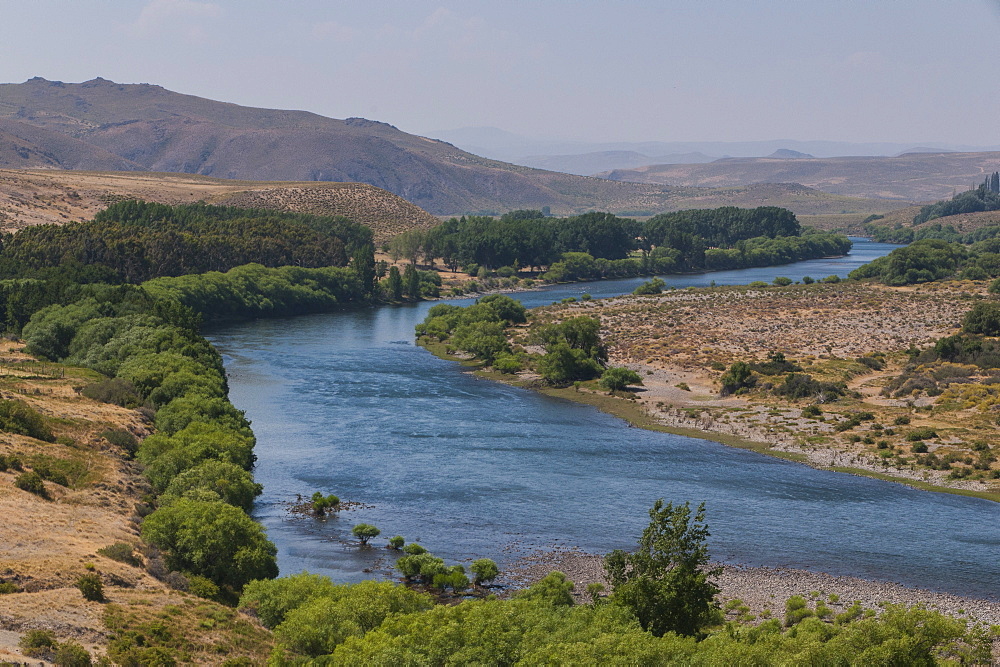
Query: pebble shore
pixel 764 588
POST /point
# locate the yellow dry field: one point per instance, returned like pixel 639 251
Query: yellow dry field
pixel 681 342
pixel 39 196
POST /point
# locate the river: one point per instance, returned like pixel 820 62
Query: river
pixel 345 403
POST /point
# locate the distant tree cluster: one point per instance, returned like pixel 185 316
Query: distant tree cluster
pixel 932 259
pixel 986 197
pixel 601 245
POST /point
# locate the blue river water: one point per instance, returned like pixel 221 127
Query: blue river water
pixel 345 403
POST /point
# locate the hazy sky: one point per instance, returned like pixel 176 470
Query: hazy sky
pixel 902 71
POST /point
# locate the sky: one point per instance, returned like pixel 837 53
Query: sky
pixel 906 71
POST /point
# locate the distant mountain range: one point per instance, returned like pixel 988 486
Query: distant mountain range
pixel 591 158
pixel 915 177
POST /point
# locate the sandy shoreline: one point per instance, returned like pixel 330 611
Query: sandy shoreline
pixel 765 588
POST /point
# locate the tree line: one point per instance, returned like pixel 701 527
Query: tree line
pixel 133 241
pixel 695 240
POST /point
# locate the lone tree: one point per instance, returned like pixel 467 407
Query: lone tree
pixel 665 581
pixel 365 532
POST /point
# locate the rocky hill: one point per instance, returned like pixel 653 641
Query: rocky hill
pixel 103 125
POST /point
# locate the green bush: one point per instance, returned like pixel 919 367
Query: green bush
pixel 36 643
pixel 221 480
pixel 618 378
pixel 921 433
pixel 122 438
pixel 485 571
pixel 212 539
pixel 122 552
pixel 32 483
pixel 71 654
pixel 18 417
pixel 7 587
pixel 91 586
pixel 114 390
pixel 654 286
pixel 396 542
pixel 272 599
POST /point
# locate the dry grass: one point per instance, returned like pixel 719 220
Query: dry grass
pixel 33 197
pixel 688 337
pixel 47 544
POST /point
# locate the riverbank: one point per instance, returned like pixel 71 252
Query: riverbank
pixel 679 342
pixel 762 591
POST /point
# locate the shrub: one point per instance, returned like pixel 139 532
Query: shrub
pixel 38 642
pixel 321 503
pixel 485 571
pixel 396 542
pixel 91 586
pixel 123 552
pixel 32 483
pixel 414 549
pixel 507 363
pixel 119 437
pixel 919 447
pixel 902 420
pixel 618 378
pixel 922 433
pixel 654 286
pixel 117 391
pixel 71 654
pixel 7 587
pixel 203 587
pixel 18 417
pixel 796 610
pixel 983 318
pixel 782 281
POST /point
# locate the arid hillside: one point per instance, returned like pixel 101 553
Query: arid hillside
pixel 31 197
pixel 103 125
pixel 914 177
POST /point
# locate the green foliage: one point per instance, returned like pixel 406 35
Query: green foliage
pixel 562 364
pixel 618 378
pixel 739 376
pixel 782 281
pixel 422 567
pixel 654 286
pixel 396 542
pixel 554 589
pixel 120 437
pixel 321 503
pixel 39 644
pixel 983 198
pixel 123 552
pixel 485 571
pixel 665 581
pixel 802 385
pixel 16 416
pixel 196 238
pixel 318 625
pixel 508 363
pixel 983 318
pixel 414 549
pixel 91 587
pixel 71 654
pixel 919 262
pixel 253 290
pixel 365 532
pixel 221 480
pixel 166 456
pixel 32 483
pixel 212 539
pixel 271 599
pixel 796 610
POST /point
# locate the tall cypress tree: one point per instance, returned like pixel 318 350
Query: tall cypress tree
pixel 411 282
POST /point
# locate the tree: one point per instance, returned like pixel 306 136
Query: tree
pixel 363 264
pixel 394 284
pixel 617 378
pixel 654 286
pixel 739 376
pixel 365 532
pixel 485 571
pixel 983 318
pixel 91 586
pixel 411 282
pixel 665 581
